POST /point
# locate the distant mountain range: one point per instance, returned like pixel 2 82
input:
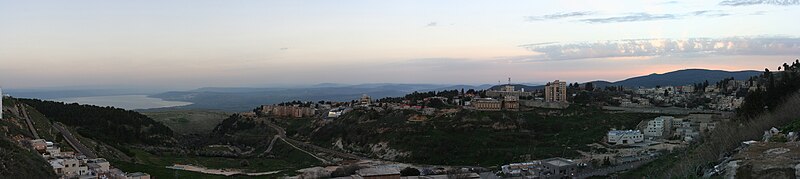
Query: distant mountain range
pixel 241 99
pixel 675 78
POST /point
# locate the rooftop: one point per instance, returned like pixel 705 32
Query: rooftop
pixel 559 162
pixel 378 171
pixel 623 132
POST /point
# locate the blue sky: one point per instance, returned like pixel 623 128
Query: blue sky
pixel 188 44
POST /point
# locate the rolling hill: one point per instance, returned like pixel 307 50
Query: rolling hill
pixel 674 78
pixel 243 99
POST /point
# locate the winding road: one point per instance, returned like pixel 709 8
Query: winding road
pixel 74 142
pixel 294 143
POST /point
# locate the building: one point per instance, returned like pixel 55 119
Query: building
pixel 555 91
pixel 487 104
pixel 379 173
pixel 39 145
pixel 625 137
pixel 659 127
pixel 522 169
pixel 287 111
pixel 1 103
pixel 69 167
pixel 365 100
pixel 559 168
pixel 511 103
pixel 508 90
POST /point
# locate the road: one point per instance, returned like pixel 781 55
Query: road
pixel 295 143
pixel 24 114
pixel 74 142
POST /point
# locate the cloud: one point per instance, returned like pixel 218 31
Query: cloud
pixel 432 24
pixel 669 2
pixel 632 18
pixel 284 48
pixel 709 13
pixel 758 13
pixel 559 15
pixel 639 17
pixel 665 47
pixel 759 2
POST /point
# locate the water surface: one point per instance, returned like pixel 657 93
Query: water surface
pixel 129 102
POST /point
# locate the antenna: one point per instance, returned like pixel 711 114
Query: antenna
pixel 509 80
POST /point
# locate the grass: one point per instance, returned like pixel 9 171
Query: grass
pixel 189 121
pixel 287 160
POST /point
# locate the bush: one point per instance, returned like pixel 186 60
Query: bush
pixel 408 171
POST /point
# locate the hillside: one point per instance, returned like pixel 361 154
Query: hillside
pixel 684 77
pixel 466 137
pixel 113 126
pixel 243 99
pixel 188 121
pixel 674 78
pixel 16 160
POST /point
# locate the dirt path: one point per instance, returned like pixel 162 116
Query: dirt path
pixel 295 143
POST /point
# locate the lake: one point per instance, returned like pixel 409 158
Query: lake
pixel 129 102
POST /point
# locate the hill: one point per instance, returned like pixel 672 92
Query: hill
pixel 684 77
pixel 464 138
pixel 17 161
pixel 188 121
pixel 110 125
pixel 674 78
pixel 243 99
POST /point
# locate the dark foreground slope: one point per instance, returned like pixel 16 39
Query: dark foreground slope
pixel 16 161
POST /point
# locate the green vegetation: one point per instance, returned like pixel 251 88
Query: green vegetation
pixel 110 125
pixel 477 138
pixel 189 121
pixel 778 85
pixel 16 162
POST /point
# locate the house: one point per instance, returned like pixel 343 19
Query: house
pixel 624 137
pixel 39 145
pixel 659 127
pixel 559 168
pixel 379 173
pixel 69 167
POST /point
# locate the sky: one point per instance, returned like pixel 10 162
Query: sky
pixel 185 44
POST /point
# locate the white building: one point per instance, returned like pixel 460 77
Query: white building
pixel 1 103
pixel 624 137
pixel 659 127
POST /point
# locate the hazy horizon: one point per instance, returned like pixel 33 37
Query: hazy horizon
pixel 179 45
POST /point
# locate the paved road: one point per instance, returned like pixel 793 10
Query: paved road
pixel 282 135
pixel 74 142
pixel 24 114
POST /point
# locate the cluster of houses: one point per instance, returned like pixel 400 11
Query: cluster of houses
pixel 723 97
pixel 509 99
pixel 69 165
pixel 666 127
pixel 547 168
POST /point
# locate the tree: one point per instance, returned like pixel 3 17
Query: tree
pixel 408 171
pixel 589 86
